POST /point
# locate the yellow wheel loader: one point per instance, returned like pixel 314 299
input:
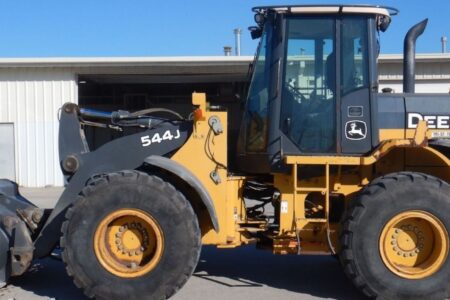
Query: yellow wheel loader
pixel 325 165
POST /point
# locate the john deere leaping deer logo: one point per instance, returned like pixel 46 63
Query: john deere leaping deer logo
pixel 355 130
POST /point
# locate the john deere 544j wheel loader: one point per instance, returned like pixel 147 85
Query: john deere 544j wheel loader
pixel 347 170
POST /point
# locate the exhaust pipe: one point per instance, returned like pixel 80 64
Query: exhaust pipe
pixel 227 50
pixel 444 44
pixel 409 59
pixel 237 34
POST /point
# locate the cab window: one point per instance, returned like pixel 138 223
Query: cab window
pixel 256 113
pixel 355 56
pixel 308 109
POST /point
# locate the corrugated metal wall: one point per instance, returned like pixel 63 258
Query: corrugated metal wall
pixel 429 87
pixel 30 98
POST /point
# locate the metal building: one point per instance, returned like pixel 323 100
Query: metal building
pixel 33 90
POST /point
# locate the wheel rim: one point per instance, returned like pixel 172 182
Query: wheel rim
pixel 128 243
pixel 414 244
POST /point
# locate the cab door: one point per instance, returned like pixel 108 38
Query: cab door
pixel 355 92
pixel 308 115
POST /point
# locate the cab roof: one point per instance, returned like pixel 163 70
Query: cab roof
pixel 329 9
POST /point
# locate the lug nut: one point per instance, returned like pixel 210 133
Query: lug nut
pixel 132 265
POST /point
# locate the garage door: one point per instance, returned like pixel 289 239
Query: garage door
pixel 7 163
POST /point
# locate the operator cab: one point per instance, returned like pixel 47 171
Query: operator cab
pixel 313 83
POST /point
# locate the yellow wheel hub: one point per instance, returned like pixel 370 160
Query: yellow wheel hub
pixel 128 243
pixel 414 244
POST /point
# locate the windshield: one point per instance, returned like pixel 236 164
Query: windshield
pixel 255 119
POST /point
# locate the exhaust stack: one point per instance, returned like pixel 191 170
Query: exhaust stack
pixel 444 44
pixel 227 50
pixel 409 60
pixel 237 34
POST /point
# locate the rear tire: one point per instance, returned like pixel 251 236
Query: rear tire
pixel 382 254
pixel 130 236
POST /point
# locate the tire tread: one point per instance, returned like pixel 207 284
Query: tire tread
pixel 354 216
pixel 93 185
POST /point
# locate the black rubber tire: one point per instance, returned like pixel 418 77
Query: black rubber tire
pixel 131 189
pixel 369 212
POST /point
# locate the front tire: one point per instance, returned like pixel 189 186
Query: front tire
pixel 395 241
pixel 130 236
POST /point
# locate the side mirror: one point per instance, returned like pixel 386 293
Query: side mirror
pixel 255 32
pixel 383 23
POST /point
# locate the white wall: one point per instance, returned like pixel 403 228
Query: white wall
pixel 432 87
pixel 30 98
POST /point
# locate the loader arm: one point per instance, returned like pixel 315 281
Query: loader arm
pixel 80 165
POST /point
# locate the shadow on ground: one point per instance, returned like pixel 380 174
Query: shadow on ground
pixel 46 278
pixel 243 269
pixel 318 276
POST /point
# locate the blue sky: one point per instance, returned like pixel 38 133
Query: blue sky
pixel 49 28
